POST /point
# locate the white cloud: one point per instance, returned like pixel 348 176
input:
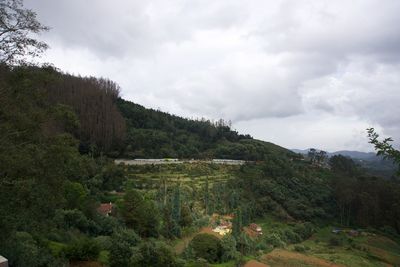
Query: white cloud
pixel 298 73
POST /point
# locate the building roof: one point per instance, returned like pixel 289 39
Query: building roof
pixel 255 227
pixel 105 208
pixel 2 259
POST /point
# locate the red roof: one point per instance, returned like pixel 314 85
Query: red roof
pixel 105 208
pixel 255 227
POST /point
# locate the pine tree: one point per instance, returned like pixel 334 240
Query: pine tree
pixel 176 211
pixel 237 223
pixel 206 197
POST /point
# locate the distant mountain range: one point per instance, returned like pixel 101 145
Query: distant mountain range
pixel 346 153
pixel 369 161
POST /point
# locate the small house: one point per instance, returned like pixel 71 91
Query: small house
pixel 221 230
pixel 3 262
pixel 256 228
pixel 105 209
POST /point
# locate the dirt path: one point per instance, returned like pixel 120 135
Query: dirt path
pixel 280 257
pixel 254 263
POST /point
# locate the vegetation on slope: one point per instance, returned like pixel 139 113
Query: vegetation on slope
pixel 156 134
pixel 55 130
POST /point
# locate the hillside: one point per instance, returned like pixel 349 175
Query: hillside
pixel 77 187
pixel 58 132
pixel 156 134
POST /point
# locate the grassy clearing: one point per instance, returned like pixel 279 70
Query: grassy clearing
pixel 281 257
pixel 325 247
pixel 344 250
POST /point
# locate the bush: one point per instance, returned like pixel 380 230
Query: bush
pixel 154 253
pixel 207 246
pixel 335 241
pixel 228 245
pixel 304 230
pixel 388 230
pixel 274 240
pixel 23 250
pixel 120 253
pixel 300 248
pixel 68 219
pixel 291 236
pixel 104 242
pixel 83 249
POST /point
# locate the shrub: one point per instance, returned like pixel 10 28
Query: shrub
pixel 274 240
pixel 291 236
pixel 154 253
pixel 207 246
pixel 83 249
pixel 300 248
pixel 335 241
pixel 228 245
pixel 304 230
pixel 104 242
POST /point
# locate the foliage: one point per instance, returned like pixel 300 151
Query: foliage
pixel 285 188
pixel 275 240
pixel 154 253
pixel 140 214
pixel 207 246
pixel 155 134
pixel 17 25
pixel 23 250
pixel 83 249
pixel 228 246
pixel 123 242
pixel 384 147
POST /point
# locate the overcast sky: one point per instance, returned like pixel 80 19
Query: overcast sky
pixel 297 73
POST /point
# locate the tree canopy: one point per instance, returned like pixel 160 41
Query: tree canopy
pixel 17 24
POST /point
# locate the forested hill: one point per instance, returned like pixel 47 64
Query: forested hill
pixel 54 131
pixel 93 112
pixel 153 134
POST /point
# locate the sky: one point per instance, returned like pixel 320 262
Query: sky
pixel 298 73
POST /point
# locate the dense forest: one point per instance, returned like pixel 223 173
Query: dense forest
pixel 156 134
pixel 66 203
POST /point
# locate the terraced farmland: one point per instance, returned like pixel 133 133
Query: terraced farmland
pixel 194 175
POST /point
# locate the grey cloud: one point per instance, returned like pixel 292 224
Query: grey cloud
pixel 281 63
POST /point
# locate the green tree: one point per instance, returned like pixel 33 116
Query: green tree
pixel 176 211
pixel 140 214
pixel 83 249
pixel 121 249
pixel 75 195
pixel 17 25
pixel 206 197
pixel 384 148
pixel 186 216
pixel 228 245
pixel 154 253
pixel 207 246
pixel 237 223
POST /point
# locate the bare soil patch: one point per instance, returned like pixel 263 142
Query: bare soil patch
pixel 254 263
